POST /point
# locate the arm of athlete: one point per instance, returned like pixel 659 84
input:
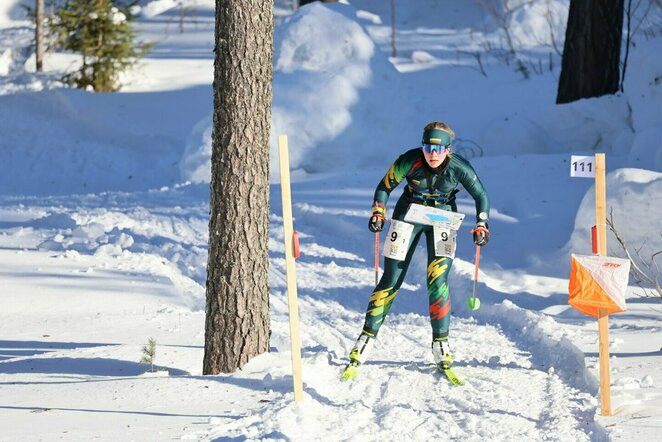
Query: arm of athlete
pixel 474 186
pixel 396 173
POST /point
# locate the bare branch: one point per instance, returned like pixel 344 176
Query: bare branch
pixel 651 277
pixel 550 22
pixel 477 56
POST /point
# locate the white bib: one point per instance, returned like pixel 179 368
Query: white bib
pixel 397 240
pixel 445 240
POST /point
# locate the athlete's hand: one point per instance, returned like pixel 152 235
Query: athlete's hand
pixel 376 223
pixel 481 235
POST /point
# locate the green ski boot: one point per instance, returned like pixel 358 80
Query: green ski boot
pixel 443 360
pixel 441 351
pixel 357 356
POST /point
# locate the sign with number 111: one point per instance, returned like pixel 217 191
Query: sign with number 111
pixel 582 167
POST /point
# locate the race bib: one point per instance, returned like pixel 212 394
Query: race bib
pixel 397 240
pixel 445 240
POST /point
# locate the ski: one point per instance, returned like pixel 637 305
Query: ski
pixel 451 376
pixel 351 371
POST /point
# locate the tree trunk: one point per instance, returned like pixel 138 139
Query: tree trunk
pixel 393 51
pixel 39 35
pixel 237 321
pixel 591 53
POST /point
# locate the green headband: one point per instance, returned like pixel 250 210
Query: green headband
pixel 436 136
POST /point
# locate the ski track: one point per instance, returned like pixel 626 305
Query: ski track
pixel 507 395
pixel 504 398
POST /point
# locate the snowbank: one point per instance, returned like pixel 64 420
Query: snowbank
pixel 323 60
pixel 634 196
pixel 5 61
pixel 643 90
pixel 12 12
pixel 534 24
pixel 156 7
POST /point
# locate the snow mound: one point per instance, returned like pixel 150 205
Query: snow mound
pixel 643 90
pixel 195 165
pixel 422 57
pixel 535 23
pixel 634 196
pixel 156 7
pixel 323 60
pixel 12 11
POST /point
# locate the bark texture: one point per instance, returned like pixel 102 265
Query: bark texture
pixel 591 53
pixel 39 35
pixel 237 316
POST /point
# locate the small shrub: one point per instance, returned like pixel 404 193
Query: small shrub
pixel 149 353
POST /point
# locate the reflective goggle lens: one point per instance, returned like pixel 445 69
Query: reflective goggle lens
pixel 439 148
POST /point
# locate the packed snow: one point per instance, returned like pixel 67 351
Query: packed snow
pixel 104 206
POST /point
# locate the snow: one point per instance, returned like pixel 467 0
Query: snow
pixel 104 205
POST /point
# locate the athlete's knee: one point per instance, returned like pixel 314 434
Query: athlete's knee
pixel 438 270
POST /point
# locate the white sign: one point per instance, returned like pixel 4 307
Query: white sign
pixel 396 243
pixel 429 216
pixel 445 240
pixel 582 167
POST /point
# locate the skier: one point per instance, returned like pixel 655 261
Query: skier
pixel 433 175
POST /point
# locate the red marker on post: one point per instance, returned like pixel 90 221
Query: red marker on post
pixel 295 243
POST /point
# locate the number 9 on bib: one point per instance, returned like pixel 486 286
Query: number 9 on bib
pixel 445 240
pixel 397 239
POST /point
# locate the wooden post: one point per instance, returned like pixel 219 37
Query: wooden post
pixel 288 228
pixel 603 318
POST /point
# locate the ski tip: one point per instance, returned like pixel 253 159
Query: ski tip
pixel 452 377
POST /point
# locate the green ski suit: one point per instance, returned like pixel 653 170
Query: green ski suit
pixel 429 187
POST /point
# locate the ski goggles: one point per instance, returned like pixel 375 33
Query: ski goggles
pixel 439 148
pixel 436 140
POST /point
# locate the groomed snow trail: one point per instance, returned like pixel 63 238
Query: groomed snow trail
pixel 400 396
pixel 510 393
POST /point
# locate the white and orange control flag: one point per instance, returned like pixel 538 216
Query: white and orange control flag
pixel 598 282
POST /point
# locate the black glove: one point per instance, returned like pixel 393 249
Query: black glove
pixel 376 223
pixel 481 235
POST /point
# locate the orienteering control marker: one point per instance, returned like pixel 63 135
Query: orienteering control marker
pixel 291 241
pixel 586 291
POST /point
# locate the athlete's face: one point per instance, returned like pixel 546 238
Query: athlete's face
pixel 436 157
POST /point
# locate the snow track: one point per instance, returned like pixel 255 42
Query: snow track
pixel 506 355
pixel 399 395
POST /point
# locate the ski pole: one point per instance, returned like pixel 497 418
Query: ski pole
pixel 376 258
pixel 474 303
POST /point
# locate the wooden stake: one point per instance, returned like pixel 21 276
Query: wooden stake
pixel 288 228
pixel 603 318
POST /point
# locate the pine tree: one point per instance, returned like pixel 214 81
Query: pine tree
pixel 149 353
pixel 237 322
pixel 104 37
pixel 39 35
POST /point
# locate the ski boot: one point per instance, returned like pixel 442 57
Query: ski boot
pixel 357 356
pixel 441 351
